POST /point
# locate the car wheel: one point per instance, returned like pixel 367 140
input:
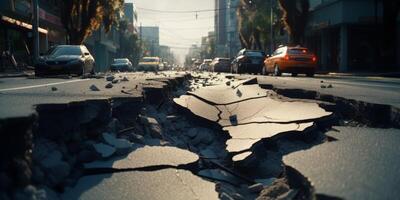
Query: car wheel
pixel 82 71
pixel 239 68
pixel 92 72
pixel 294 74
pixel 264 71
pixel 310 74
pixel 277 71
pixel 39 73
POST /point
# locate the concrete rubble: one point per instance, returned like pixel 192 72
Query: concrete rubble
pixel 249 113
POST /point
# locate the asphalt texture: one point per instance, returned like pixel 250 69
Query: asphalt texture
pixel 19 96
pixel 362 163
pixel 376 90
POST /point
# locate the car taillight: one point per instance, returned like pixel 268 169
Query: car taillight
pixel 314 59
pixel 287 57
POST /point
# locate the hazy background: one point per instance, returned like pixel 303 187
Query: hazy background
pixel 177 30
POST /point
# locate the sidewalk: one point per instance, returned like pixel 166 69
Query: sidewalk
pixel 24 73
pixel 362 74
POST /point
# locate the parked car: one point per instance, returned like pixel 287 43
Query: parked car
pixel 205 66
pixel 294 60
pixel 150 64
pixel 122 65
pixel 248 61
pixel 66 59
pixel 221 65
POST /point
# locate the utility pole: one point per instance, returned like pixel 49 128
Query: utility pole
pixel 271 47
pixel 141 39
pixel 35 30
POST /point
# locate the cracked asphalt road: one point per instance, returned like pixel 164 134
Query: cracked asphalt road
pixel 358 163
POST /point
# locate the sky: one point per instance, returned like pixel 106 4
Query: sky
pixel 177 30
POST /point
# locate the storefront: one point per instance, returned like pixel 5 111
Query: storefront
pixel 16 38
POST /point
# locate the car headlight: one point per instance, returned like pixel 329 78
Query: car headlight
pixel 77 61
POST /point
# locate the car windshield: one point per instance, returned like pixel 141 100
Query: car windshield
pixel 66 51
pixel 120 61
pixel 150 60
pixel 254 53
pixel 298 51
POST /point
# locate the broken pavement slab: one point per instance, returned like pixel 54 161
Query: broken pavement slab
pixel 168 183
pixel 157 185
pixel 149 156
pixel 361 164
pixel 245 136
pixel 249 113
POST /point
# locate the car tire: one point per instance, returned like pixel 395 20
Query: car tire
pixel 39 74
pixel 294 74
pixel 277 71
pixel 310 74
pixel 240 68
pixel 264 71
pixel 82 71
pixel 93 71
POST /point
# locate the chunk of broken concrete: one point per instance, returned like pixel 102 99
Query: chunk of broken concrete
pixel 109 86
pixel 110 78
pixel 256 188
pixel 94 88
pixel 104 150
pixel 122 146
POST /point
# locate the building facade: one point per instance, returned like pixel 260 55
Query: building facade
pixel 345 34
pixel 220 27
pixel 16 27
pixel 226 28
pixel 233 43
pixel 130 13
pixel 150 36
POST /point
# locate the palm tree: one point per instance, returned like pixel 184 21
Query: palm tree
pixel 82 17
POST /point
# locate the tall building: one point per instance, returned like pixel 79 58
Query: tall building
pixel 226 28
pixel 233 43
pixel 150 36
pixel 130 14
pixel 220 27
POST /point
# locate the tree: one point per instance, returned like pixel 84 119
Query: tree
pixel 129 43
pixel 295 16
pixel 254 21
pixel 82 17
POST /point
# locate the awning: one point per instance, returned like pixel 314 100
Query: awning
pixel 21 24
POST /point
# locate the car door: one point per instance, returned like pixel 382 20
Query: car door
pixel 88 59
pixel 269 61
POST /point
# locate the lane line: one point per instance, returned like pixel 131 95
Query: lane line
pixel 42 85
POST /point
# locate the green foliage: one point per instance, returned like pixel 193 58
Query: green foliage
pixel 82 17
pixel 254 20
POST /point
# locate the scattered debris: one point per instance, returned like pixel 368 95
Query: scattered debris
pixel 104 150
pixel 94 88
pixel 109 86
pixel 110 78
pixel 54 89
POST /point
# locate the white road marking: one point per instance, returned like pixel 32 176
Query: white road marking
pixel 42 85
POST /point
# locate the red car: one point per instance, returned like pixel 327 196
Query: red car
pixel 294 60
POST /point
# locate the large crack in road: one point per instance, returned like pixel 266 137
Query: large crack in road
pixel 208 137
